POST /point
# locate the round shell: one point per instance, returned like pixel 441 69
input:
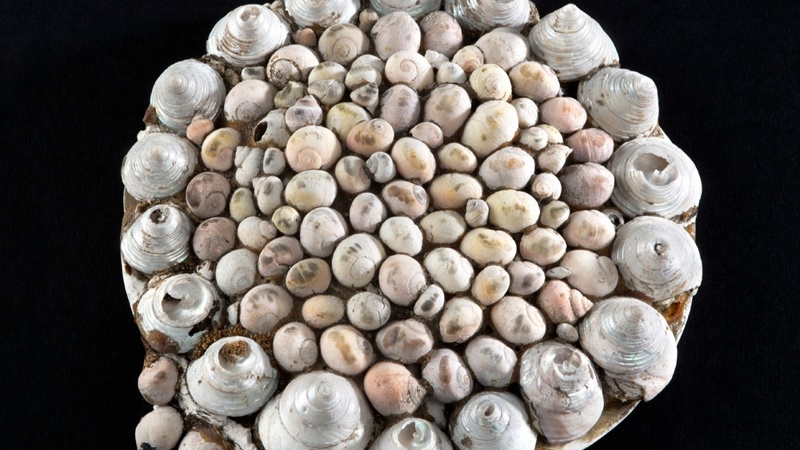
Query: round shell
pixel 356 259
pixel 247 35
pixel 343 43
pixel 477 15
pixel 322 14
pixel 157 240
pixel 312 147
pixel 412 433
pixel 158 166
pixel 186 89
pixel 493 420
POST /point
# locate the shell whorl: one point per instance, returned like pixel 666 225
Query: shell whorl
pixel 415 8
pixel 322 13
pixel 184 90
pixel 158 166
pixel 157 240
pixel 412 434
pixel 247 35
pixel 482 15
pixel 492 420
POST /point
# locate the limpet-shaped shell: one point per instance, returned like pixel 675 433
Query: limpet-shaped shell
pixel 572 43
pixel 563 390
pixel 653 176
pixel 477 15
pixel 158 166
pixel 633 344
pixel 412 433
pixel 157 240
pixel 491 421
pixel 233 378
pixel 322 14
pixel 247 35
pixel 621 102
pixel 186 89
pixel 657 257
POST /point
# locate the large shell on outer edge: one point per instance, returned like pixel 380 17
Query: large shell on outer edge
pixel 621 102
pixel 233 378
pixel 653 176
pixel 316 410
pixel 571 43
pixel 657 257
pixel 184 90
pixel 158 166
pixel 481 15
pixel 169 313
pixel 633 344
pixel 157 240
pixel 322 13
pixel 356 259
pixel 561 386
pixel 412 433
pixel 414 8
pixel 493 420
pixel 246 35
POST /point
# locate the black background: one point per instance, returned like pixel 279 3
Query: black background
pixel 76 79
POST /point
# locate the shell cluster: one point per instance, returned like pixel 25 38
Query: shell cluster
pixel 419 225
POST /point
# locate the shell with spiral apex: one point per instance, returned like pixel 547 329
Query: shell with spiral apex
pixel 415 8
pixel 158 166
pixel 412 434
pixel 482 15
pixel 157 240
pixel 184 90
pixel 493 420
pixel 247 35
pixel 322 13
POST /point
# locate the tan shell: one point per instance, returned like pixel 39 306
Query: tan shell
pixel 448 106
pixel 413 160
pixel 493 124
pixel 453 190
pixel 512 211
pixel 486 246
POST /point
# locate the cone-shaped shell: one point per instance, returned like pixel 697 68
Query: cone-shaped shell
pixel 482 15
pixel 247 35
pixel 414 8
pixel 157 240
pixel 322 13
pixel 571 43
pixel 493 420
pixel 187 89
pixel 158 166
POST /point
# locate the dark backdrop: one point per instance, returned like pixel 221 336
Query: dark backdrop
pixel 76 82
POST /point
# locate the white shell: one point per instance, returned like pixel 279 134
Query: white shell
pixel 449 269
pixel 490 82
pixel 546 186
pixel 633 344
pixel 563 390
pixel 286 219
pixel 401 279
pixel 589 229
pixel 248 161
pixel 401 235
pixel 448 376
pixel 512 211
pixel 590 273
pixel 405 198
pixel 308 277
pixel 461 319
pixel 184 90
pixel 621 102
pixel 405 341
pixel 507 168
pixel 653 176
pixel 250 100
pixel 160 428
pixel 342 43
pixel 236 271
pixel 504 47
pixel 493 124
pixel 413 160
pixel 527 111
pixel 157 240
pixel 312 147
pixel 174 308
pixel 430 302
pixel 657 257
pixel 272 129
pixel 572 43
pixel 454 190
pixel 380 166
pixel 490 285
pixel 491 361
pixel 158 166
pixel 368 311
pixel 517 321
pixel 316 410
pixel 486 246
pixel 310 189
pixel 410 68
pixel 412 433
pixel 443 227
pixel 290 63
pixel 400 106
pixel 233 377
pixel 448 106
pixel 356 259
pixel 267 191
pixel 294 346
pixel 395 32
pixel 345 350
pixel 478 15
pixel 263 307
pixel 450 72
pixel 321 230
pixel 543 246
pixel 367 211
pixel 247 35
pixel 526 277
pixel 415 8
pixel 554 214
pixel 476 213
pixel 342 117
pixel 534 81
pixel 456 158
pixel 491 421
pixel 322 14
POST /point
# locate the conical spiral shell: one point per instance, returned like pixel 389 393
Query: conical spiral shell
pixel 414 8
pixel 571 43
pixel 157 240
pixel 563 390
pixel 173 309
pixel 634 345
pixel 482 15
pixel 412 434
pixel 621 102
pixel 316 410
pixel 493 420
pixel 247 35
pixel 186 89
pixel 653 176
pixel 233 378
pixel 158 166
pixel 657 257
pixel 322 13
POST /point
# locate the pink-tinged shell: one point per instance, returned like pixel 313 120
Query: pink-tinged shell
pixel 453 190
pixel 401 279
pixel 322 311
pixel 263 307
pixel 561 303
pixel 441 33
pixel 590 273
pixel 160 428
pixel 587 185
pixel 591 145
pixel 589 229
pixel 400 106
pixel 392 389
pixel 158 380
pixel 526 277
pixel 213 238
pixel 461 319
pixel 564 113
pixel 491 361
pixel 278 255
pixel 366 138
pixel 395 32
pixel 517 321
pixel 405 198
pixel 207 194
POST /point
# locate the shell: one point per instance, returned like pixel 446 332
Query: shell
pixel 409 68
pixel 486 246
pixel 554 214
pixel 401 279
pixel 491 361
pixel 236 271
pixel 158 166
pixel 562 304
pixel 461 319
pixel 441 33
pixel 412 433
pixel 345 350
pixel 213 238
pixel 361 75
pixel 157 240
pixel 310 189
pixel 587 185
pixel 356 259
pixel 621 102
pixel 322 14
pixel 476 213
pixel 512 211
pixel 546 186
pixel 199 129
pixel 392 389
pixel 565 114
pixel 449 269
pixel 448 106
pixel 517 321
pixel 405 341
pixel 477 15
pixel 543 246
pixel 590 273
pixel 290 63
pixel 589 229
pixel 305 111
pixel 203 438
pixel 286 219
pixel 367 96
pixel 278 255
pixel 591 145
pixel 657 257
pixel 171 315
pixel 572 43
pixel 416 9
pixel 653 176
pixel 294 347
pixel 160 428
pixel 343 43
pixel 247 35
pixel 316 410
pixel 263 307
pixel 368 311
pixel 248 101
pixel 400 107
pixel 327 70
pixel 430 302
pixel 157 381
pixel 372 136
pixel 233 378
pixel 493 124
pixel 526 277
pixel 429 133
pixel 367 211
pixel 321 230
pixel 248 163
pixel 553 158
pixel 453 190
pixel 504 47
pixel 534 138
pixel 395 32
pixel 490 285
pixel 633 344
pixel 267 191
pixel 468 58
pixel 242 204
pixel 342 117
pixel 322 311
pixel 401 235
pixel 490 82
pixel 493 420
pixel 450 72
pixel 443 227
pixel 448 376
pixel 405 198
pixel 272 129
pixel 413 160
pixel 563 390
pixel 308 277
pixel 507 168
pixel 527 111
pixel 186 89
pixel 328 92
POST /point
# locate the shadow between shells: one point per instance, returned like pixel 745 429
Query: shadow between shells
pixel 417 225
